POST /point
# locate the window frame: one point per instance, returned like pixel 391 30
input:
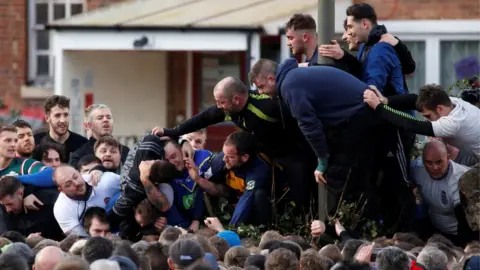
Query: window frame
pixel 33 29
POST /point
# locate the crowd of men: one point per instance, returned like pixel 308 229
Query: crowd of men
pixel 349 125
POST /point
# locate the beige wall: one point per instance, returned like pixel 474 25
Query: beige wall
pixel 132 84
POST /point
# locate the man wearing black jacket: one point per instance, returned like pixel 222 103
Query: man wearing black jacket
pixel 26 222
pixel 100 122
pixel 271 124
pixel 57 115
pixel 133 190
pixel 382 61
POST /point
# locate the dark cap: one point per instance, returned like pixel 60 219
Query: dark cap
pixel 184 252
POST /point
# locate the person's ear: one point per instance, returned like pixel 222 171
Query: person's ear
pixel 171 265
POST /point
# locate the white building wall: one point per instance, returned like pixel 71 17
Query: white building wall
pixel 132 84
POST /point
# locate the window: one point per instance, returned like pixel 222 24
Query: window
pixel 416 80
pixel 40 57
pixel 451 52
pixel 215 67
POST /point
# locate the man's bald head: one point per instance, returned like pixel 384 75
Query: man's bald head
pixel 230 86
pixel 435 158
pixel 435 147
pixel 48 258
pixel 62 169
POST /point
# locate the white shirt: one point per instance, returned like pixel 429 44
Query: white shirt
pixel 67 211
pixel 461 127
pixel 441 196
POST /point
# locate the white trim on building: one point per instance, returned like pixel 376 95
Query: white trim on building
pixel 110 40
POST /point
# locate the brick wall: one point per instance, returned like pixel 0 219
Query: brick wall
pixel 425 9
pixel 12 49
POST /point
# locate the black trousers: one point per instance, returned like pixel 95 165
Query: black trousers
pixel 395 200
pixel 298 174
pixel 351 163
pixel 262 211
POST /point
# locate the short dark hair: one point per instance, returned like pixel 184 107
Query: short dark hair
pixel 345 24
pixel 108 140
pixel 21 124
pixel 146 209
pixel 281 259
pixel 41 151
pixel 87 159
pixel 56 100
pixel 430 96
pixel 157 254
pixel 9 185
pixel 163 171
pixel 362 11
pixel 97 248
pixel 12 261
pixel 261 67
pixel 94 212
pixel 409 238
pixel 243 141
pixel 123 248
pixel 293 247
pixel 301 22
pixel 351 265
pixel 221 245
pixel 14 236
pixel 350 248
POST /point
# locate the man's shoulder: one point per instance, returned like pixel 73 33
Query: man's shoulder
pixel 459 169
pixel 85 146
pixel 77 138
pixel 384 49
pixel 382 46
pixel 257 166
pixel 48 196
pixel 62 204
pixel 110 176
pixel 39 136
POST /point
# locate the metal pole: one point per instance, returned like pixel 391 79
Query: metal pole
pixel 325 31
pixel 325 25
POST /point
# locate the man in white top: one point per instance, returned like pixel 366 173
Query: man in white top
pixel 454 120
pixel 77 195
pixel 437 180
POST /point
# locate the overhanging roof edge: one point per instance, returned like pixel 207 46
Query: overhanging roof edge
pixel 186 28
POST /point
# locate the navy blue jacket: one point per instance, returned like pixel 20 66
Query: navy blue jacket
pixel 381 66
pixel 188 202
pixel 244 181
pixel 319 97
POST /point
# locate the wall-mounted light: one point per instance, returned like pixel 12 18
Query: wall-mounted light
pixel 140 43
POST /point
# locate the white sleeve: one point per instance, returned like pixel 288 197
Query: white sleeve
pixel 109 181
pixel 445 127
pixel 65 215
pixel 167 190
pixel 77 230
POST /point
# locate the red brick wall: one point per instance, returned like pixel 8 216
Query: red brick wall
pixel 425 9
pixel 13 49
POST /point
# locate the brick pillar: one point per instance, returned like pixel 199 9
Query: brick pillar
pixel 425 9
pixel 13 50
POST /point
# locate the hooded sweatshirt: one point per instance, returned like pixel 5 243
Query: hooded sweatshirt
pixel 319 97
